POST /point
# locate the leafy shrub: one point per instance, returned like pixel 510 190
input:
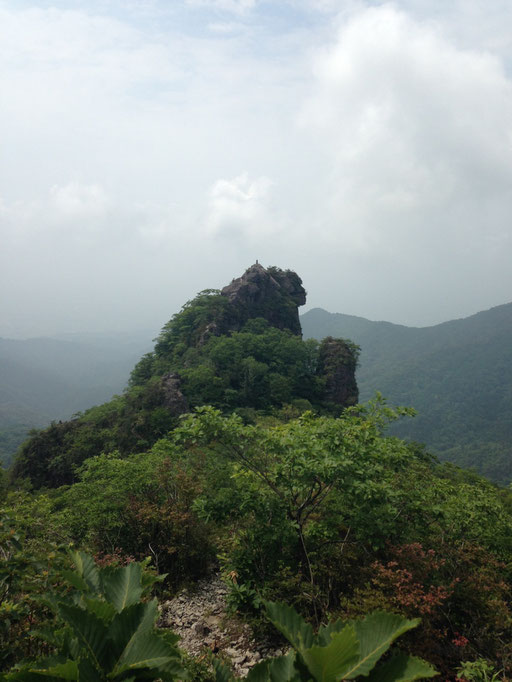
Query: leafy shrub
pixel 339 651
pixel 108 633
pixel 459 591
pixel 142 506
pixel 31 558
pixel 478 671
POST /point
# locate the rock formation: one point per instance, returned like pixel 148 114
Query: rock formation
pixel 337 365
pixel 200 617
pixel 174 399
pixel 273 294
pixel 262 369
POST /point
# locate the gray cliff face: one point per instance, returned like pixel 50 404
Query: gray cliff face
pixel 174 399
pixel 337 365
pixel 272 294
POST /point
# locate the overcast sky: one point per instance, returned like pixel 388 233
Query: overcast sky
pixel 154 148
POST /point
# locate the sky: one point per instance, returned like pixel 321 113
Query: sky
pixel 150 149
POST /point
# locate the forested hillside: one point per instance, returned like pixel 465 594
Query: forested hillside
pixel 239 349
pixel 457 375
pixel 239 450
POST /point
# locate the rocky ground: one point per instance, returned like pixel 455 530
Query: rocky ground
pixel 199 616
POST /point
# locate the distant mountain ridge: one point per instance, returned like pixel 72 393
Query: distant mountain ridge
pixel 42 379
pixel 457 374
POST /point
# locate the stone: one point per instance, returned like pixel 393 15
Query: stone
pixel 197 615
pixel 174 400
pixel 272 293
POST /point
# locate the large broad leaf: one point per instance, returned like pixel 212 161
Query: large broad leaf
pixel 260 673
pixel 102 609
pixel 87 672
pixel 87 569
pixel 376 633
pixel 132 622
pixel 76 580
pixel 89 631
pixel 121 586
pixel 27 676
pixel 291 625
pixel 333 662
pixel 402 668
pixel 283 668
pixel 325 632
pixel 147 651
pixel 222 672
pixel 61 671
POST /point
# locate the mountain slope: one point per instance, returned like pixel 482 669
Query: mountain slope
pixel 43 379
pixel 458 375
pixel 239 348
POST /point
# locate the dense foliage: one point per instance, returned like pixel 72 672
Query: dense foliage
pixel 258 368
pixel 339 651
pixel 328 514
pixel 106 630
pixel 243 452
pixel 457 375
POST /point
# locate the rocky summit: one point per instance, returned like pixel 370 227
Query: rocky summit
pixel 270 293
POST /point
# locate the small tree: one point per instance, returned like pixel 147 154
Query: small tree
pixel 303 461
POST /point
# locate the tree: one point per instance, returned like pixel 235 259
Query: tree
pixel 303 462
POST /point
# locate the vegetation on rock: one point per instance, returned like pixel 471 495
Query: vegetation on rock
pixel 236 349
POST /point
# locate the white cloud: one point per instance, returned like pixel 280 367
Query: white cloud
pixel 75 201
pixel 416 129
pixel 376 140
pixel 234 6
pixel 240 208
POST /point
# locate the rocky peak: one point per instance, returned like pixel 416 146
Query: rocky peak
pixel 337 364
pixel 270 293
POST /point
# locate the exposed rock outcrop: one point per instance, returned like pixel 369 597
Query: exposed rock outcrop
pixel 199 617
pixel 174 399
pixel 271 293
pixel 337 365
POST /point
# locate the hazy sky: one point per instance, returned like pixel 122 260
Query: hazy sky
pixel 154 148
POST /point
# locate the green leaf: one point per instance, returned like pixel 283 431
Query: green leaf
pixel 260 673
pixel 76 580
pixel 87 569
pixel 336 660
pixel 25 676
pixel 87 672
pixel 132 622
pixel 376 633
pixel 146 651
pixel 121 586
pixel 222 672
pixel 325 632
pixel 283 668
pixel 402 668
pixel 88 629
pixel 290 624
pixel 63 671
pixel 102 609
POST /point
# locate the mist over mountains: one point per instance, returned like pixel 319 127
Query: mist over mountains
pixel 45 379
